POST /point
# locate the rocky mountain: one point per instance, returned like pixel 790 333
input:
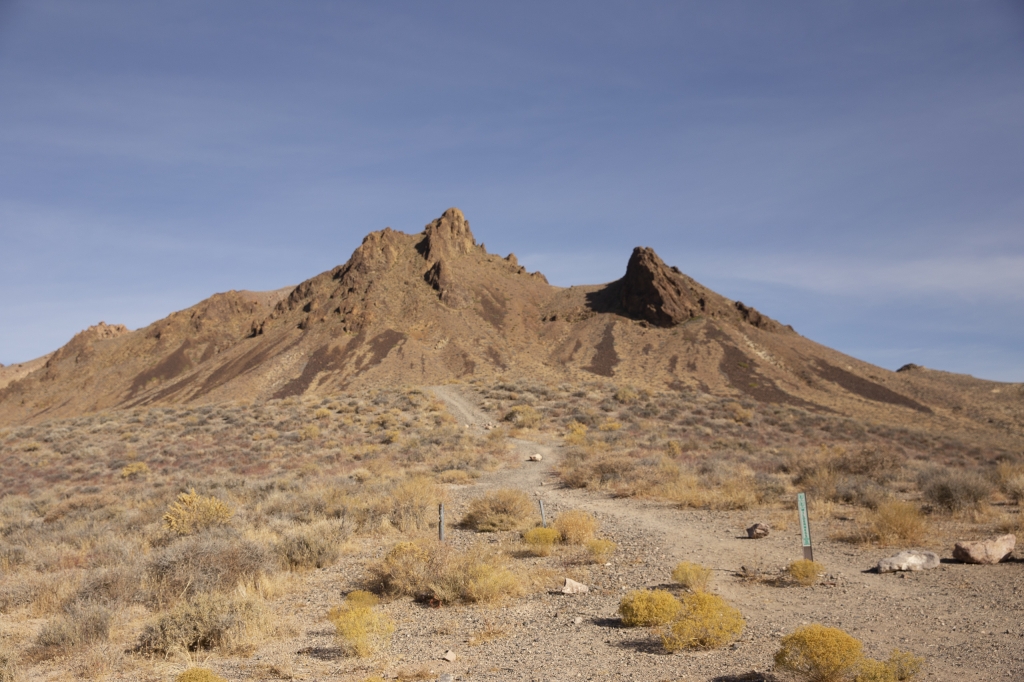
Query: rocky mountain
pixel 434 307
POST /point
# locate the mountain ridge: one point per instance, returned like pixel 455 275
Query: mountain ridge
pixel 435 307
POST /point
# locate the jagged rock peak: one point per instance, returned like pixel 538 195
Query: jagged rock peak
pixel 658 293
pixel 447 237
pixel 106 331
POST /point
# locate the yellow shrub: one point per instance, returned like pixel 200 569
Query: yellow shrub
pixel 435 572
pixel 600 550
pixel 505 509
pixel 199 675
pixel 647 608
pixel 626 395
pixel 897 522
pixel 523 416
pixel 135 470
pixel 610 425
pixel 576 526
pixel 192 512
pixel 693 577
pixel 455 476
pixel 576 433
pixel 360 629
pixel 541 541
pixel 805 572
pixel 309 432
pixel 322 413
pixel 820 653
pixel 706 621
pixel 361 598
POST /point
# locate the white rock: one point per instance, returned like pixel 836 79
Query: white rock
pixel 535 457
pixel 990 551
pixel 573 587
pixel 449 656
pixel 909 560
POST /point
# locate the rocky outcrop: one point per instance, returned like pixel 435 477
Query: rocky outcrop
pixel 909 560
pixel 990 551
pixel 448 237
pixel 752 317
pixel 758 531
pixel 655 292
pixel 440 277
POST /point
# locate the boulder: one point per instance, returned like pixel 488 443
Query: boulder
pixel 758 530
pixel 535 457
pixel 450 656
pixel 909 560
pixel 573 587
pixel 990 551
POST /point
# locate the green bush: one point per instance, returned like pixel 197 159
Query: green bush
pixel 706 621
pixel 647 608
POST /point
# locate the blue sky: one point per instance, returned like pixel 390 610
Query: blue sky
pixel 854 169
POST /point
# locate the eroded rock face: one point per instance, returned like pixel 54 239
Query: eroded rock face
pixel 909 560
pixel 448 237
pixel 440 277
pixel 655 292
pixel 990 551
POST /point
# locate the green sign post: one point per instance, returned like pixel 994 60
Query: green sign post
pixel 805 527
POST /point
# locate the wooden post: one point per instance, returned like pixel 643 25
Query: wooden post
pixel 805 527
pixel 543 517
pixel 440 522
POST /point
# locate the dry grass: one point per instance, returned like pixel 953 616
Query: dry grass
pixel 505 509
pixel 706 621
pixel 541 541
pixel 435 572
pixel 693 577
pixel 576 527
pixel 648 608
pixel 199 675
pixel 192 512
pixel 820 653
pixel 600 550
pixel 361 629
pixel 896 522
pixel 805 572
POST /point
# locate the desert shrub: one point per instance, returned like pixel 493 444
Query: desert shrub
pixel 576 526
pixel 541 541
pixel 955 490
pixel 693 577
pixel 361 598
pixel 309 432
pixel 706 621
pixel 199 675
pixel 896 521
pixel 576 433
pixel 1011 480
pixel 8 666
pixel 411 504
pixel 647 608
pixel 203 622
pixel 505 509
pixel 435 572
pixel 523 416
pixel 313 546
pixel 805 572
pixel 204 564
pixel 901 665
pixel 135 470
pixel 360 629
pixel 192 512
pixel 78 627
pixel 820 654
pixel 600 550
pixel 455 476
pixel 322 413
pixel 626 395
pixel 11 556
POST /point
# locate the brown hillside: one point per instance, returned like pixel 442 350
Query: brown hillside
pixel 436 307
